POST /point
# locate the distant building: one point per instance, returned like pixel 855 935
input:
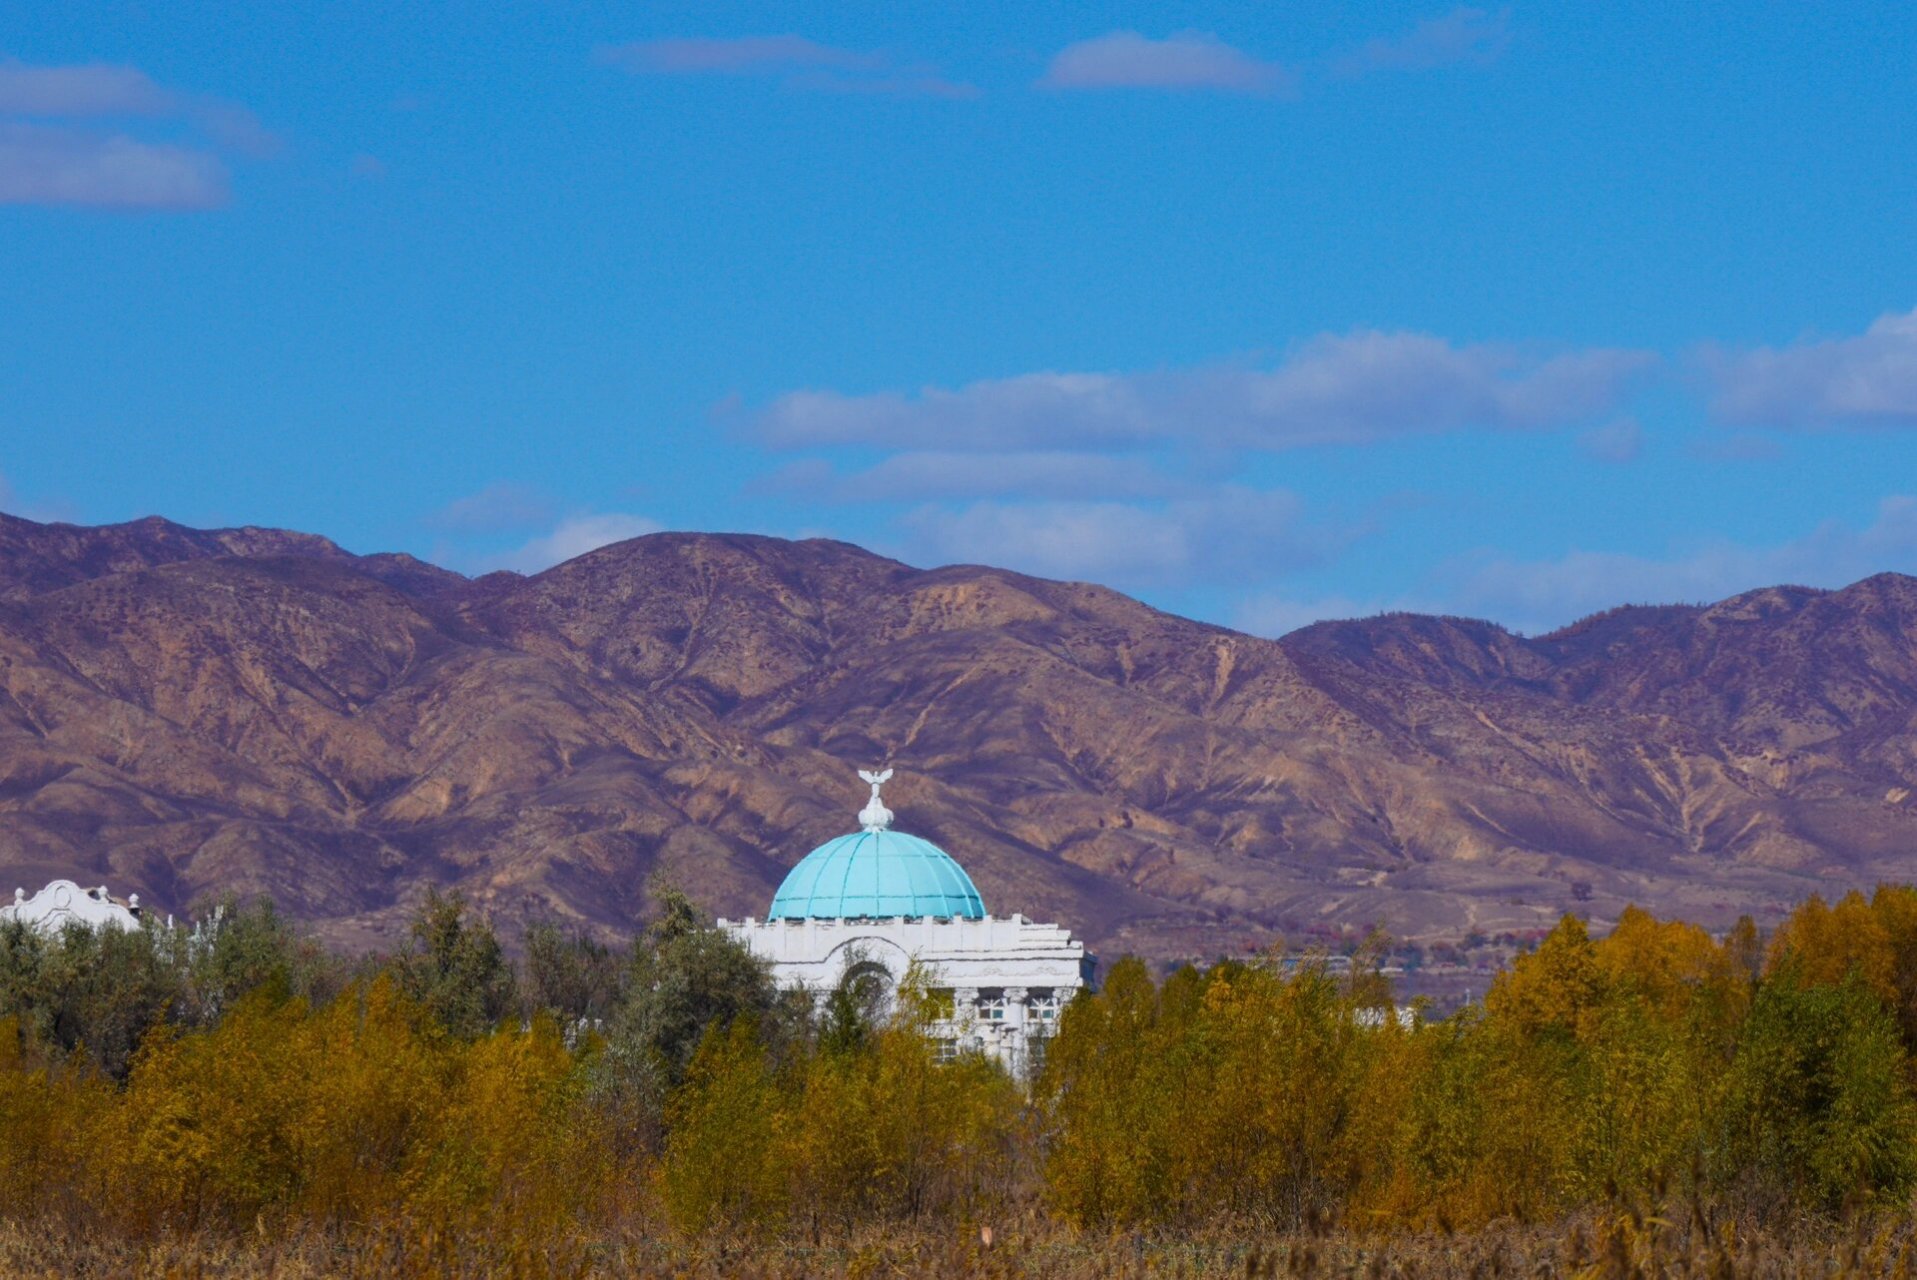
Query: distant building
pixel 869 904
pixel 64 902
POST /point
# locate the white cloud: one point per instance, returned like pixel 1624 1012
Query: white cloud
pixel 1539 595
pixel 93 89
pixel 1869 379
pixel 1335 389
pixel 732 56
pixel 1232 534
pixel 59 166
pixel 910 84
pixel 798 63
pixel 575 536
pixel 1187 60
pixel 101 90
pixel 942 475
pixel 1738 446
pixel 1620 441
pixel 1465 36
pixel 65 164
pixel 1032 410
pixel 497 508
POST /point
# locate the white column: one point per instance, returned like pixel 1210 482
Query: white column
pixel 965 1019
pixel 1015 1030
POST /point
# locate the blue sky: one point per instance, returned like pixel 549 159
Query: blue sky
pixel 1261 313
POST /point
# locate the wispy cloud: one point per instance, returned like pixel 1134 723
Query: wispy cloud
pixel 1869 379
pixel 1186 60
pixel 573 537
pixel 904 85
pixel 1619 442
pixel 96 90
pixel 48 158
pixel 55 166
pixel 1231 534
pixel 498 508
pixel 1463 37
pixel 933 475
pixel 796 62
pixel 92 89
pixel 736 56
pixel 1738 446
pixel 1342 389
pixel 1538 595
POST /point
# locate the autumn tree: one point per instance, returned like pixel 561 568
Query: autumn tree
pixel 1825 945
pixel 723 1164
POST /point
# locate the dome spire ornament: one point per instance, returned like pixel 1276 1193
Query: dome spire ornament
pixel 877 873
pixel 875 816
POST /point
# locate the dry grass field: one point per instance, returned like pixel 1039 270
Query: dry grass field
pixel 1680 1242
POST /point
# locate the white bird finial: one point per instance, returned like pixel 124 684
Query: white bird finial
pixel 875 816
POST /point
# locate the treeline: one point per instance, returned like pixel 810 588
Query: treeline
pixel 246 1080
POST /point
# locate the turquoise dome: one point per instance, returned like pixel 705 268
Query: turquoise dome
pixel 876 873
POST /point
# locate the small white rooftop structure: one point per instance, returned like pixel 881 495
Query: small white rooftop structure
pixel 64 902
pixel 873 903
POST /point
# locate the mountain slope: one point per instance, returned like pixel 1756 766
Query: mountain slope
pixel 187 711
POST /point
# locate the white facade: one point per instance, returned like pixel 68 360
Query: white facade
pixel 64 902
pixel 1005 978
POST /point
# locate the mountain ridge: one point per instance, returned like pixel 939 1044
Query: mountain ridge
pixel 188 711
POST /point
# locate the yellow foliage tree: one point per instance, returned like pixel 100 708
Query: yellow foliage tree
pixel 49 1115
pixel 1555 987
pixel 724 1164
pixel 1827 944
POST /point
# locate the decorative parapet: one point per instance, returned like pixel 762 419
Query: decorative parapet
pixel 64 902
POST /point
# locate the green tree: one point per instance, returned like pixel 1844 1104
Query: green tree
pixel 1819 1105
pixel 569 976
pixel 455 968
pixel 97 989
pixel 248 947
pixel 685 976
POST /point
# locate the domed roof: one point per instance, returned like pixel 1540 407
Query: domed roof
pixel 876 873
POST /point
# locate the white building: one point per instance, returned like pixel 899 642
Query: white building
pixel 64 902
pixel 870 904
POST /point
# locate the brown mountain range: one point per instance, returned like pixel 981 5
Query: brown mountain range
pixel 184 712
